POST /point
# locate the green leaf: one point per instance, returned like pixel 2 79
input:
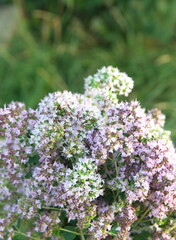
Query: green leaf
pixel 122 196
pixel 132 183
pixel 143 236
pixel 63 216
pixel 113 229
pixel 33 160
pixel 56 232
pixel 67 235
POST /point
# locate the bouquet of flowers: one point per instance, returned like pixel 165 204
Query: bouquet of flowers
pixel 87 166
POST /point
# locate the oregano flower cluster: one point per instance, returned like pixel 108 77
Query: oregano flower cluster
pixel 87 166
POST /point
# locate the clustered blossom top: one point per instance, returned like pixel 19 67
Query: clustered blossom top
pixel 88 165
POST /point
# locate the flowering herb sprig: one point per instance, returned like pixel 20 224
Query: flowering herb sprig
pixel 87 166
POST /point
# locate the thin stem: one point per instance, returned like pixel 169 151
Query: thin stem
pixel 63 229
pixel 112 234
pixel 4 211
pixel 66 230
pixel 146 228
pixel 51 208
pixel 116 168
pixel 117 194
pixel 82 235
pixel 25 235
pixel 170 229
pixel 117 171
pixel 140 219
pixel 115 163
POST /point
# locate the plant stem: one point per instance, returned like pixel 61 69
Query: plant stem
pixel 170 229
pixel 63 229
pixel 112 234
pixel 66 230
pixel 117 194
pixel 140 219
pixel 115 163
pixel 146 228
pixel 51 208
pixel 4 211
pixel 25 235
pixel 82 236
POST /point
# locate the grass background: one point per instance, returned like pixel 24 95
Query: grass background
pixel 53 45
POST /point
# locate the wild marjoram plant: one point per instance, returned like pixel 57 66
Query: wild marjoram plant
pixel 87 166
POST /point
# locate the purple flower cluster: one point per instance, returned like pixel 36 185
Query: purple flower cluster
pixel 103 166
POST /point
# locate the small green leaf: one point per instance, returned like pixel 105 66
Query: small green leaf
pixel 67 235
pixel 144 236
pixel 122 196
pixel 132 183
pixel 114 229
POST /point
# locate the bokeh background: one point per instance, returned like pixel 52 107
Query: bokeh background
pixel 50 45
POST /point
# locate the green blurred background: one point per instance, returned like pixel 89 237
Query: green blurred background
pixel 50 45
